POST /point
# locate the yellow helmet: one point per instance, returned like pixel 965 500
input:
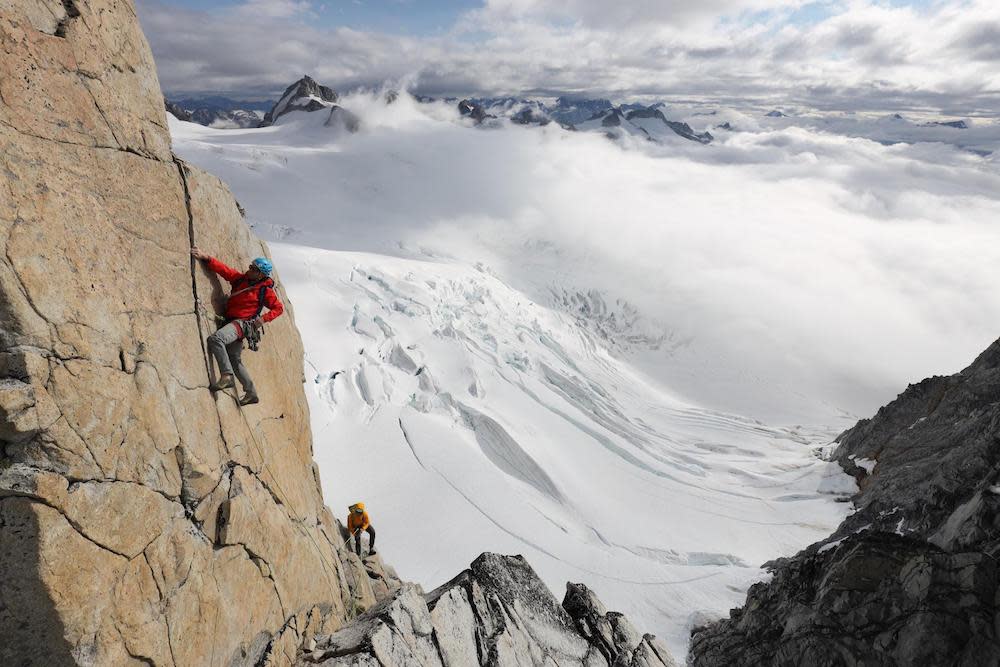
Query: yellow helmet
pixel 356 507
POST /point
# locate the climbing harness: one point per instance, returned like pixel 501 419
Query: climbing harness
pixel 253 333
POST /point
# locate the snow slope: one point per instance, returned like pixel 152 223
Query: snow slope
pixel 469 418
pixel 535 341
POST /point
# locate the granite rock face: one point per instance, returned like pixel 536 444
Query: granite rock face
pixel 142 518
pixel 911 578
pixel 496 613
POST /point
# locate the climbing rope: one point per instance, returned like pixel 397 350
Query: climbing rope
pixel 200 311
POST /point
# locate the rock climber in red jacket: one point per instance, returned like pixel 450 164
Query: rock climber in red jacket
pixel 252 292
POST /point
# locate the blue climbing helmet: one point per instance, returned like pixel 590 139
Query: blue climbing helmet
pixel 263 265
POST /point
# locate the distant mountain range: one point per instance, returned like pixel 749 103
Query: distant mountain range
pixel 220 112
pixel 638 120
pixel 308 96
pixel 651 122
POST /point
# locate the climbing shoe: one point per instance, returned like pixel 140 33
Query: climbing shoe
pixel 225 381
pixel 249 399
pixel 372 552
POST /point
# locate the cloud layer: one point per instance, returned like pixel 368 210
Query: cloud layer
pixel 862 55
pixel 794 273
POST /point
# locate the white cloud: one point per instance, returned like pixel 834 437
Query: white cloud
pixel 866 55
pixel 275 9
pixel 809 271
pixel 602 14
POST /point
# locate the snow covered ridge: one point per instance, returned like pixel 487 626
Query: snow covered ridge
pixel 653 121
pixel 218 112
pixel 304 95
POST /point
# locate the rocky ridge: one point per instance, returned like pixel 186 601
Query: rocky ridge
pixel 911 577
pixel 218 111
pixel 499 613
pixel 136 508
pixel 303 95
pixel 634 119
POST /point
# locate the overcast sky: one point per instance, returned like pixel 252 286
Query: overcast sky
pixel 878 55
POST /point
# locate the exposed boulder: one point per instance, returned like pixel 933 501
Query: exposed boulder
pixel 498 613
pixel 911 576
pixel 303 95
pixel 397 631
pixel 142 518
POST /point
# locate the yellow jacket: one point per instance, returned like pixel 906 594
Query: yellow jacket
pixel 357 522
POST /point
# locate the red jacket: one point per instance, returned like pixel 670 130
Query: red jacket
pixel 243 304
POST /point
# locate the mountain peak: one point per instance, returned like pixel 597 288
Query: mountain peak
pixel 303 95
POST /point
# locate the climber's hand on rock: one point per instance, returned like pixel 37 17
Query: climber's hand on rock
pixel 198 254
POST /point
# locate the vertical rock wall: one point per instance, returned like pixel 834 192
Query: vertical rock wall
pixel 142 519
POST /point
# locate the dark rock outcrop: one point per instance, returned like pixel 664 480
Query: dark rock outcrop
pixel 344 119
pixel 219 111
pixel 911 577
pixel 176 111
pixel 235 118
pixel 572 110
pixel 497 613
pixel 303 95
pixel 611 632
pixel 530 116
pixel 680 129
pixel 612 118
pixel 473 110
pixel 954 124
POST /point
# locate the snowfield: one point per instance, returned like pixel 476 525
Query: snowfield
pixel 619 360
pixel 470 418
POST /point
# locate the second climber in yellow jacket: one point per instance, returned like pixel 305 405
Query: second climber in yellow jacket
pixel 357 521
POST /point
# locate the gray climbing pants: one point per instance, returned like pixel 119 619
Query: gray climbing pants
pixel 371 540
pixel 226 346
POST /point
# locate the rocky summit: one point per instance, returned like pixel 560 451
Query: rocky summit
pixel 303 95
pixel 911 578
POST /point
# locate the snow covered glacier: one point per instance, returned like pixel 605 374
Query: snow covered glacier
pixel 482 387
pixel 469 417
